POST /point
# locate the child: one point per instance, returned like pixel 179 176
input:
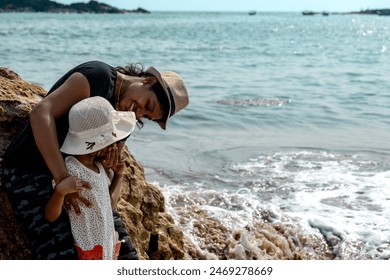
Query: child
pixel 94 127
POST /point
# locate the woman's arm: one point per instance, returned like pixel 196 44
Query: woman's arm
pixel 44 114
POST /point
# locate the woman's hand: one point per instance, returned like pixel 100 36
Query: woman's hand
pixel 70 187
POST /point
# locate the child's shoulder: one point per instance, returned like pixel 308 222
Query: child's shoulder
pixel 103 170
pixel 71 161
pixel 100 166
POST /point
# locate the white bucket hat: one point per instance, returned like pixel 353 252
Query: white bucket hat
pixel 94 125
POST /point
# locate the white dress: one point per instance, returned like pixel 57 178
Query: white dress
pixel 95 225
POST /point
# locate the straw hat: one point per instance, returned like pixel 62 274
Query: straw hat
pixel 94 125
pixel 175 90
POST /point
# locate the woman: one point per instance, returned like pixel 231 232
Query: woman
pixel 33 160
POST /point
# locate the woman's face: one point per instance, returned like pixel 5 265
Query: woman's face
pixel 141 100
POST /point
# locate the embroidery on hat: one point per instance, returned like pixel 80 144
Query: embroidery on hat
pixel 90 145
pixel 101 140
pixel 105 138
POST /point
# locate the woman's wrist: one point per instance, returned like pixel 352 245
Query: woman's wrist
pixel 58 180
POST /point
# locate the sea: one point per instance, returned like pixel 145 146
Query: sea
pixel 284 149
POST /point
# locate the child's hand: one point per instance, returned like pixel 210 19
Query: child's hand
pixel 68 185
pixel 70 188
pixel 119 168
pixel 108 157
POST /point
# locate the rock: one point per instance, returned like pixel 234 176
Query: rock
pixel 54 7
pixel 17 98
pixel 260 239
pixel 141 205
pixel 14 108
pixel 141 11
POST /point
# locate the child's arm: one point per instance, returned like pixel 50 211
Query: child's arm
pixel 54 206
pixel 116 179
pixel 115 189
pixel 113 162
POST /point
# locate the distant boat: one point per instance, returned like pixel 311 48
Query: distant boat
pixel 308 13
pixel 325 13
pixel 385 12
pixel 252 13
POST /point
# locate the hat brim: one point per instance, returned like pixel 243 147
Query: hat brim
pixel 153 71
pixel 175 91
pixel 80 144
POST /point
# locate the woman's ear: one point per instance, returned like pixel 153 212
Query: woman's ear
pixel 149 81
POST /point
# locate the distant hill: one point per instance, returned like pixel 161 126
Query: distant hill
pixel 54 7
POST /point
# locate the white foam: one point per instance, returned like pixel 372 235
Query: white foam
pixel 345 197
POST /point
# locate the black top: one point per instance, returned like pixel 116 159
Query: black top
pixel 24 153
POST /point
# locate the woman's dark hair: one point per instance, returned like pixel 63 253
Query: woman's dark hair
pixel 137 70
pixel 132 69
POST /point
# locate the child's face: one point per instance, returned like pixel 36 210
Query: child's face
pixel 102 153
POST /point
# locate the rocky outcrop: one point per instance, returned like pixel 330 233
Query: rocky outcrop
pixel 54 7
pixel 17 98
pixel 142 207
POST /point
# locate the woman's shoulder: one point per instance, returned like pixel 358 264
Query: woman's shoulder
pixel 94 66
pixel 93 70
pixel 97 71
pixel 95 63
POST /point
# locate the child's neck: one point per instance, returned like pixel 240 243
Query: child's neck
pixel 88 161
